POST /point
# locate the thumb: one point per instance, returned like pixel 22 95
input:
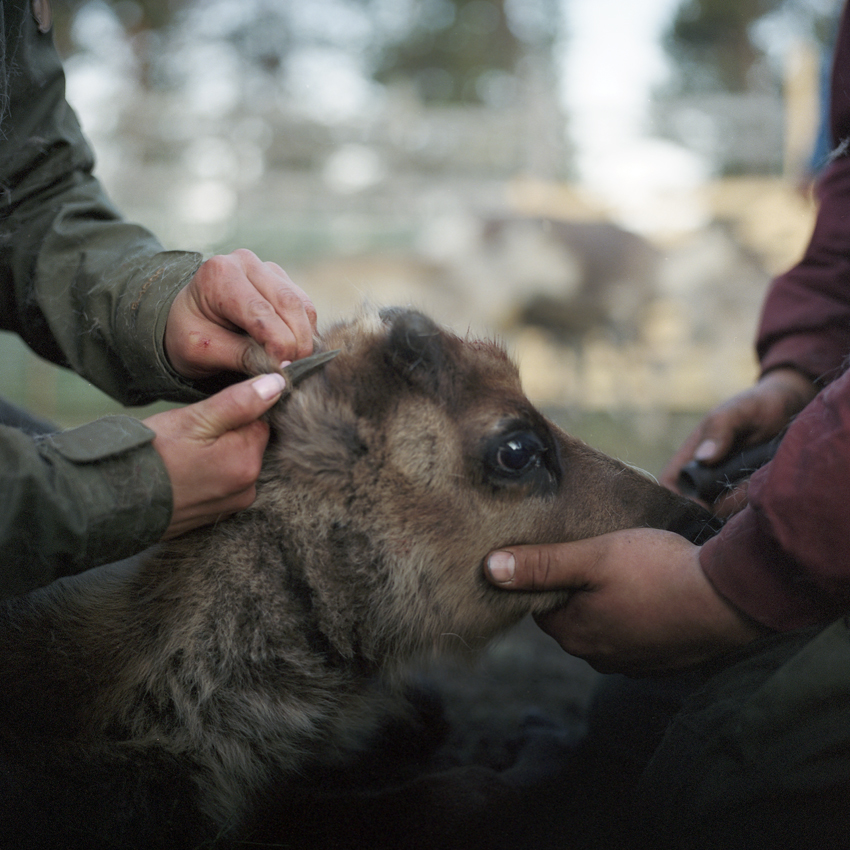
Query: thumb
pixel 549 567
pixel 721 430
pixel 713 448
pixel 239 405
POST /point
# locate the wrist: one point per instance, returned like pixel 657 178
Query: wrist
pixel 789 376
pixel 794 384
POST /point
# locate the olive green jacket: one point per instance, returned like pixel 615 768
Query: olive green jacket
pixel 89 291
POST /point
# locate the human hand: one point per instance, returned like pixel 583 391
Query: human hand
pixel 213 450
pixel 749 418
pixel 640 604
pixel 230 296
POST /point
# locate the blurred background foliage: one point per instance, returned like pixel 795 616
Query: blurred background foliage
pixel 449 48
pixel 517 167
pixel 721 43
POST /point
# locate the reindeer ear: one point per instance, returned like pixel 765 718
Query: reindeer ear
pixel 415 347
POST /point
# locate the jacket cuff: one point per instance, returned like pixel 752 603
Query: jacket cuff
pixel 749 570
pixel 111 472
pixel 141 335
pixel 819 356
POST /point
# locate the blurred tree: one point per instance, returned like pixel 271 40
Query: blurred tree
pixel 714 42
pixel 460 51
pixel 466 51
pixel 712 45
pixel 135 15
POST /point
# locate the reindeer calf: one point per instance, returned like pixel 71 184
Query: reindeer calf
pixel 155 705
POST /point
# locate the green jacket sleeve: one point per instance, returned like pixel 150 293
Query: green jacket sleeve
pixel 89 291
pixel 77 499
pixel 83 287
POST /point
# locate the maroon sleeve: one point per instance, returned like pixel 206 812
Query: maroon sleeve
pixel 806 317
pixel 785 559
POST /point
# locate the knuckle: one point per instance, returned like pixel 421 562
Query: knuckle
pixel 259 315
pixel 244 474
pixel 305 348
pixel 244 255
pixel 247 476
pixel 544 571
pixel 312 315
pixel 235 480
pixel 216 266
pixel 259 308
pixel 245 499
pixel 536 566
pixel 288 298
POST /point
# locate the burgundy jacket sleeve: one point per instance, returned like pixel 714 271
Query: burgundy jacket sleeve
pixel 806 316
pixel 785 559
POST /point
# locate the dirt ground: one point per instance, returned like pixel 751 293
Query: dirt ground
pixel 523 677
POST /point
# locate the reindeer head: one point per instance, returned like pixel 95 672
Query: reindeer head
pixel 409 457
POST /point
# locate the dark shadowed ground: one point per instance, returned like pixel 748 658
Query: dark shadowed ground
pixel 524 677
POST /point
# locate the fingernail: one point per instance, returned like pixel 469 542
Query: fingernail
pixel 501 566
pixel 269 386
pixel 284 364
pixel 705 450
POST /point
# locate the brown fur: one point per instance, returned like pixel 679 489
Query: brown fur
pixel 242 653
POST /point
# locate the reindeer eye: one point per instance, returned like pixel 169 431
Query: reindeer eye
pixel 517 454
